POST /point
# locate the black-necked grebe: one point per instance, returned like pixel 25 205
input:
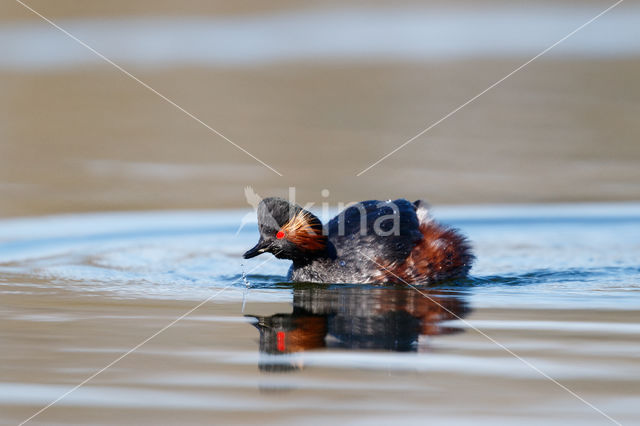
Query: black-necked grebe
pixel 369 242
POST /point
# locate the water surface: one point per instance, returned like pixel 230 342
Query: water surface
pixel 557 285
pixel 414 34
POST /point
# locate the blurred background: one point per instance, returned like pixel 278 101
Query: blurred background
pixel 319 91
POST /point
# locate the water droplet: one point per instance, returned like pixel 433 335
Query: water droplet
pixel 244 276
pixel 247 284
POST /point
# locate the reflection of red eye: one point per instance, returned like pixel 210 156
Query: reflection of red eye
pixel 280 336
pixel 280 235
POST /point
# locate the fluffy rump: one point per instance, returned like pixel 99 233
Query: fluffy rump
pixel 442 254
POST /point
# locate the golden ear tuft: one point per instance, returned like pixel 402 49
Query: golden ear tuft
pixel 305 231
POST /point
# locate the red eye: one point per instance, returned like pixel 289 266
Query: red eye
pixel 280 235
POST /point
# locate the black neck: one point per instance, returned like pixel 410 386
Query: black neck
pixel 304 258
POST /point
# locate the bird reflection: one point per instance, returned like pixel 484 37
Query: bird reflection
pixel 354 318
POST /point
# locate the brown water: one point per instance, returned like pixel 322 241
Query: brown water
pixel 553 297
pixel 205 369
pixel 318 92
pixel 78 135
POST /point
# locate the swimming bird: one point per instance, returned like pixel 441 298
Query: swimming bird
pixel 369 242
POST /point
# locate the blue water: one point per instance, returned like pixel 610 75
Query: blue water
pixel 562 256
pixel 312 35
pixel 552 301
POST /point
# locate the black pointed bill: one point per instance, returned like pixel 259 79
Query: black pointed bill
pixel 259 248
